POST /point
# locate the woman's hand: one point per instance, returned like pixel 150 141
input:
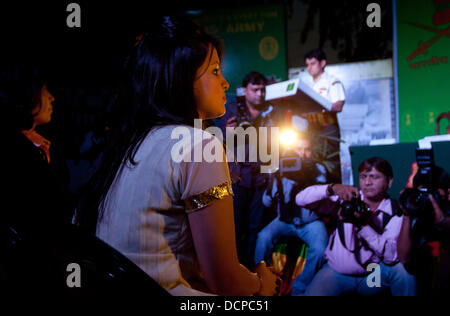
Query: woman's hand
pixel 268 280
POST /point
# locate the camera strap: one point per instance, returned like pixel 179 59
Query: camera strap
pixel 396 211
pixel 341 233
pixel 356 251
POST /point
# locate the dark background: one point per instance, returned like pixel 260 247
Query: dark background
pixel 83 64
pixel 92 53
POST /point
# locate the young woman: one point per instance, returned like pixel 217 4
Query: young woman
pixel 170 213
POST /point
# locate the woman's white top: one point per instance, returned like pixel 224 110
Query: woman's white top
pixel 179 170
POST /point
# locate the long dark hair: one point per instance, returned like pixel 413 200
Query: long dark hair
pixel 157 90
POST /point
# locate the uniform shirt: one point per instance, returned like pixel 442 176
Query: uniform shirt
pixel 374 247
pixel 329 87
pixel 332 89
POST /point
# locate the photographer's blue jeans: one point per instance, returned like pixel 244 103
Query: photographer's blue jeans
pixel 328 282
pixel 314 234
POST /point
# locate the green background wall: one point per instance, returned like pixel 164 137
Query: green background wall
pixel 254 39
pixel 423 80
pixel 400 156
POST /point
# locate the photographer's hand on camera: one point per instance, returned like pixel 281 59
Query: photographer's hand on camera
pixel 439 217
pixel 344 192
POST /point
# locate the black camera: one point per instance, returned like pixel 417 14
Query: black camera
pixel 289 165
pixel 304 172
pixel 425 176
pixel 416 201
pixel 349 208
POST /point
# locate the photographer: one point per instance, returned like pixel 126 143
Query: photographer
pixel 293 220
pixel 249 183
pixel 423 244
pixel 368 225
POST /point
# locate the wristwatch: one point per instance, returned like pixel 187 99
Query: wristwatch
pixel 330 190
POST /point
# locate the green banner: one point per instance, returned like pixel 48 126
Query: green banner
pixel 423 46
pixel 253 38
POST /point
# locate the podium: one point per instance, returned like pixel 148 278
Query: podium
pixel 297 96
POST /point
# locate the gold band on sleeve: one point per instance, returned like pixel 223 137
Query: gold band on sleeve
pixel 205 198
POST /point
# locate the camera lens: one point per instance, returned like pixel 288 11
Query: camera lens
pixel 415 202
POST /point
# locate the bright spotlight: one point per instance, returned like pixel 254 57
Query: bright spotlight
pixel 288 137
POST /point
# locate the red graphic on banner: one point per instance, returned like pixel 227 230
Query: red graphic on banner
pixel 442 15
pixel 422 49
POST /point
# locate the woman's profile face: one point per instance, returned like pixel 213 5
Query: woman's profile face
pixel 210 87
pixel 42 113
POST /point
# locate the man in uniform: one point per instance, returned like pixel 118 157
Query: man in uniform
pixel 326 122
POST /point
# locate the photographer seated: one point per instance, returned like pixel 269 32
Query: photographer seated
pixel 297 171
pixel 424 241
pixel 362 252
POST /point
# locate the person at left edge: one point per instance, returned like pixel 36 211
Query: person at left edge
pixel 37 206
pixel 43 197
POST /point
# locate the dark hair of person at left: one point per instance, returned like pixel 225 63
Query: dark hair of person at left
pixel 23 94
pixel 316 53
pixel 254 77
pixel 156 90
pixel 379 164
